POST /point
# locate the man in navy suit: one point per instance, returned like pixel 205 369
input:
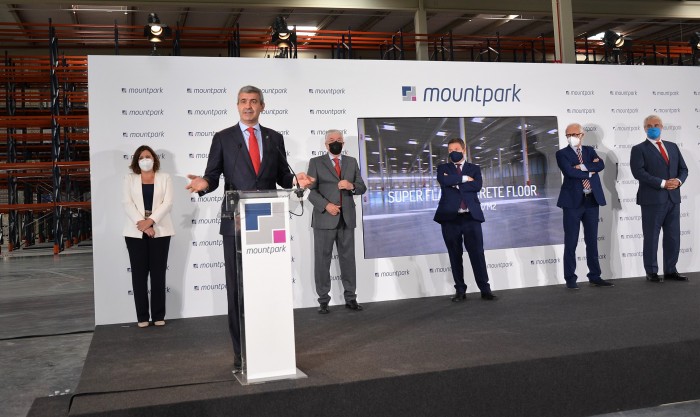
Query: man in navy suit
pixel 660 169
pixel 251 157
pixel 460 216
pixel 580 197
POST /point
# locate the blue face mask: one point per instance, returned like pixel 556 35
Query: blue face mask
pixel 653 132
pixel 456 156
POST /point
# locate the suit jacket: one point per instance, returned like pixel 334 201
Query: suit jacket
pixel 132 200
pixel 649 168
pixel 325 190
pixel 571 194
pixel 229 155
pixel 454 191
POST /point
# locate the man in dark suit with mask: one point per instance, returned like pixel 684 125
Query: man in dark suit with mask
pixel 251 157
pixel 580 197
pixel 460 217
pixel 660 169
pixel 338 180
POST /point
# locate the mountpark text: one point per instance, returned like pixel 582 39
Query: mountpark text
pixel 473 94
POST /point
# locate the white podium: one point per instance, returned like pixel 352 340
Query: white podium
pixel 265 284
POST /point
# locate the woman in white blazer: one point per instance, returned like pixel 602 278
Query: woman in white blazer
pixel 147 198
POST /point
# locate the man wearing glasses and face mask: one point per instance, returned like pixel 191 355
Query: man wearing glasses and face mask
pixel 338 181
pixel 580 197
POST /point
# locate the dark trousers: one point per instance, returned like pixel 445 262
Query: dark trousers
pixel 148 256
pixel 656 217
pixel 586 214
pixel 344 239
pixel 234 321
pixel 464 230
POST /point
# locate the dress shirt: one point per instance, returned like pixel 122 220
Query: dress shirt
pixel 582 166
pixel 653 142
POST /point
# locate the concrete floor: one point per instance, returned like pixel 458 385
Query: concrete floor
pixel 46 325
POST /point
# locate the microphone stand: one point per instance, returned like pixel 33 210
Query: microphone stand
pixel 299 192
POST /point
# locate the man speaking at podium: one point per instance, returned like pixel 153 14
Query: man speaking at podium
pixel 251 157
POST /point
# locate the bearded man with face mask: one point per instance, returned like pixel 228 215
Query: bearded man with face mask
pixel 660 169
pixel 338 181
pixel 580 197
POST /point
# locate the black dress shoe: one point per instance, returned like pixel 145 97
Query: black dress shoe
pixel 601 283
pixel 654 278
pixel 460 296
pixel 323 309
pixel 352 305
pixel 675 277
pixel 237 363
pixel 488 296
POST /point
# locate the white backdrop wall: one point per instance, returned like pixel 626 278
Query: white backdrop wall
pixel 175 104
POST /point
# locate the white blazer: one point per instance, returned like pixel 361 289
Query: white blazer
pixel 132 200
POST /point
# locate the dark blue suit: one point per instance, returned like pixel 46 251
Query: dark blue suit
pixel 462 229
pixel 229 155
pixel 660 207
pixel 580 208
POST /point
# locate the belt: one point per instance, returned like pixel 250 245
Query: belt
pixel 588 195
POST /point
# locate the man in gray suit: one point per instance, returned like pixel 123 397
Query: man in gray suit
pixel 338 180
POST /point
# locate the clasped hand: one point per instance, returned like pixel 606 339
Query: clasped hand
pixel 333 209
pixel 345 185
pixel 146 226
pixel 672 183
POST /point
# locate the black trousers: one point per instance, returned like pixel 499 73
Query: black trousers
pixel 148 256
pixel 464 230
pixel 234 320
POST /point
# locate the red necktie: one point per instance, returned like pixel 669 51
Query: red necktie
pixel 586 183
pixel 663 151
pixel 462 204
pixel 337 171
pixel 254 150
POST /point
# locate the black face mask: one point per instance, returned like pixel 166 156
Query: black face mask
pixel 335 147
pixel 456 156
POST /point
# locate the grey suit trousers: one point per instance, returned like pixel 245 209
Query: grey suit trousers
pixel 344 239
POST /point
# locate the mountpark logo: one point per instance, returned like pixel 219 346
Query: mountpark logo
pixel 408 92
pixel 483 95
pixel 265 225
pixel 143 90
pixel 211 90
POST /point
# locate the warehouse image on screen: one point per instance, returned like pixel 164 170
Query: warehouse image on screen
pixel 521 181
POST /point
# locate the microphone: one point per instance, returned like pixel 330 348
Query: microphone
pixel 299 192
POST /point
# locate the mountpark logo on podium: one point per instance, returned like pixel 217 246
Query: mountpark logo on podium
pixel 474 94
pixel 265 224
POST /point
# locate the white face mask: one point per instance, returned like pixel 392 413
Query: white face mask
pixel 574 141
pixel 146 164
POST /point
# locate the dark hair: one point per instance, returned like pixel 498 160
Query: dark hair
pixel 135 159
pixel 457 140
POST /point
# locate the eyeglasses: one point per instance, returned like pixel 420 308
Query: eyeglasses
pixel 578 135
